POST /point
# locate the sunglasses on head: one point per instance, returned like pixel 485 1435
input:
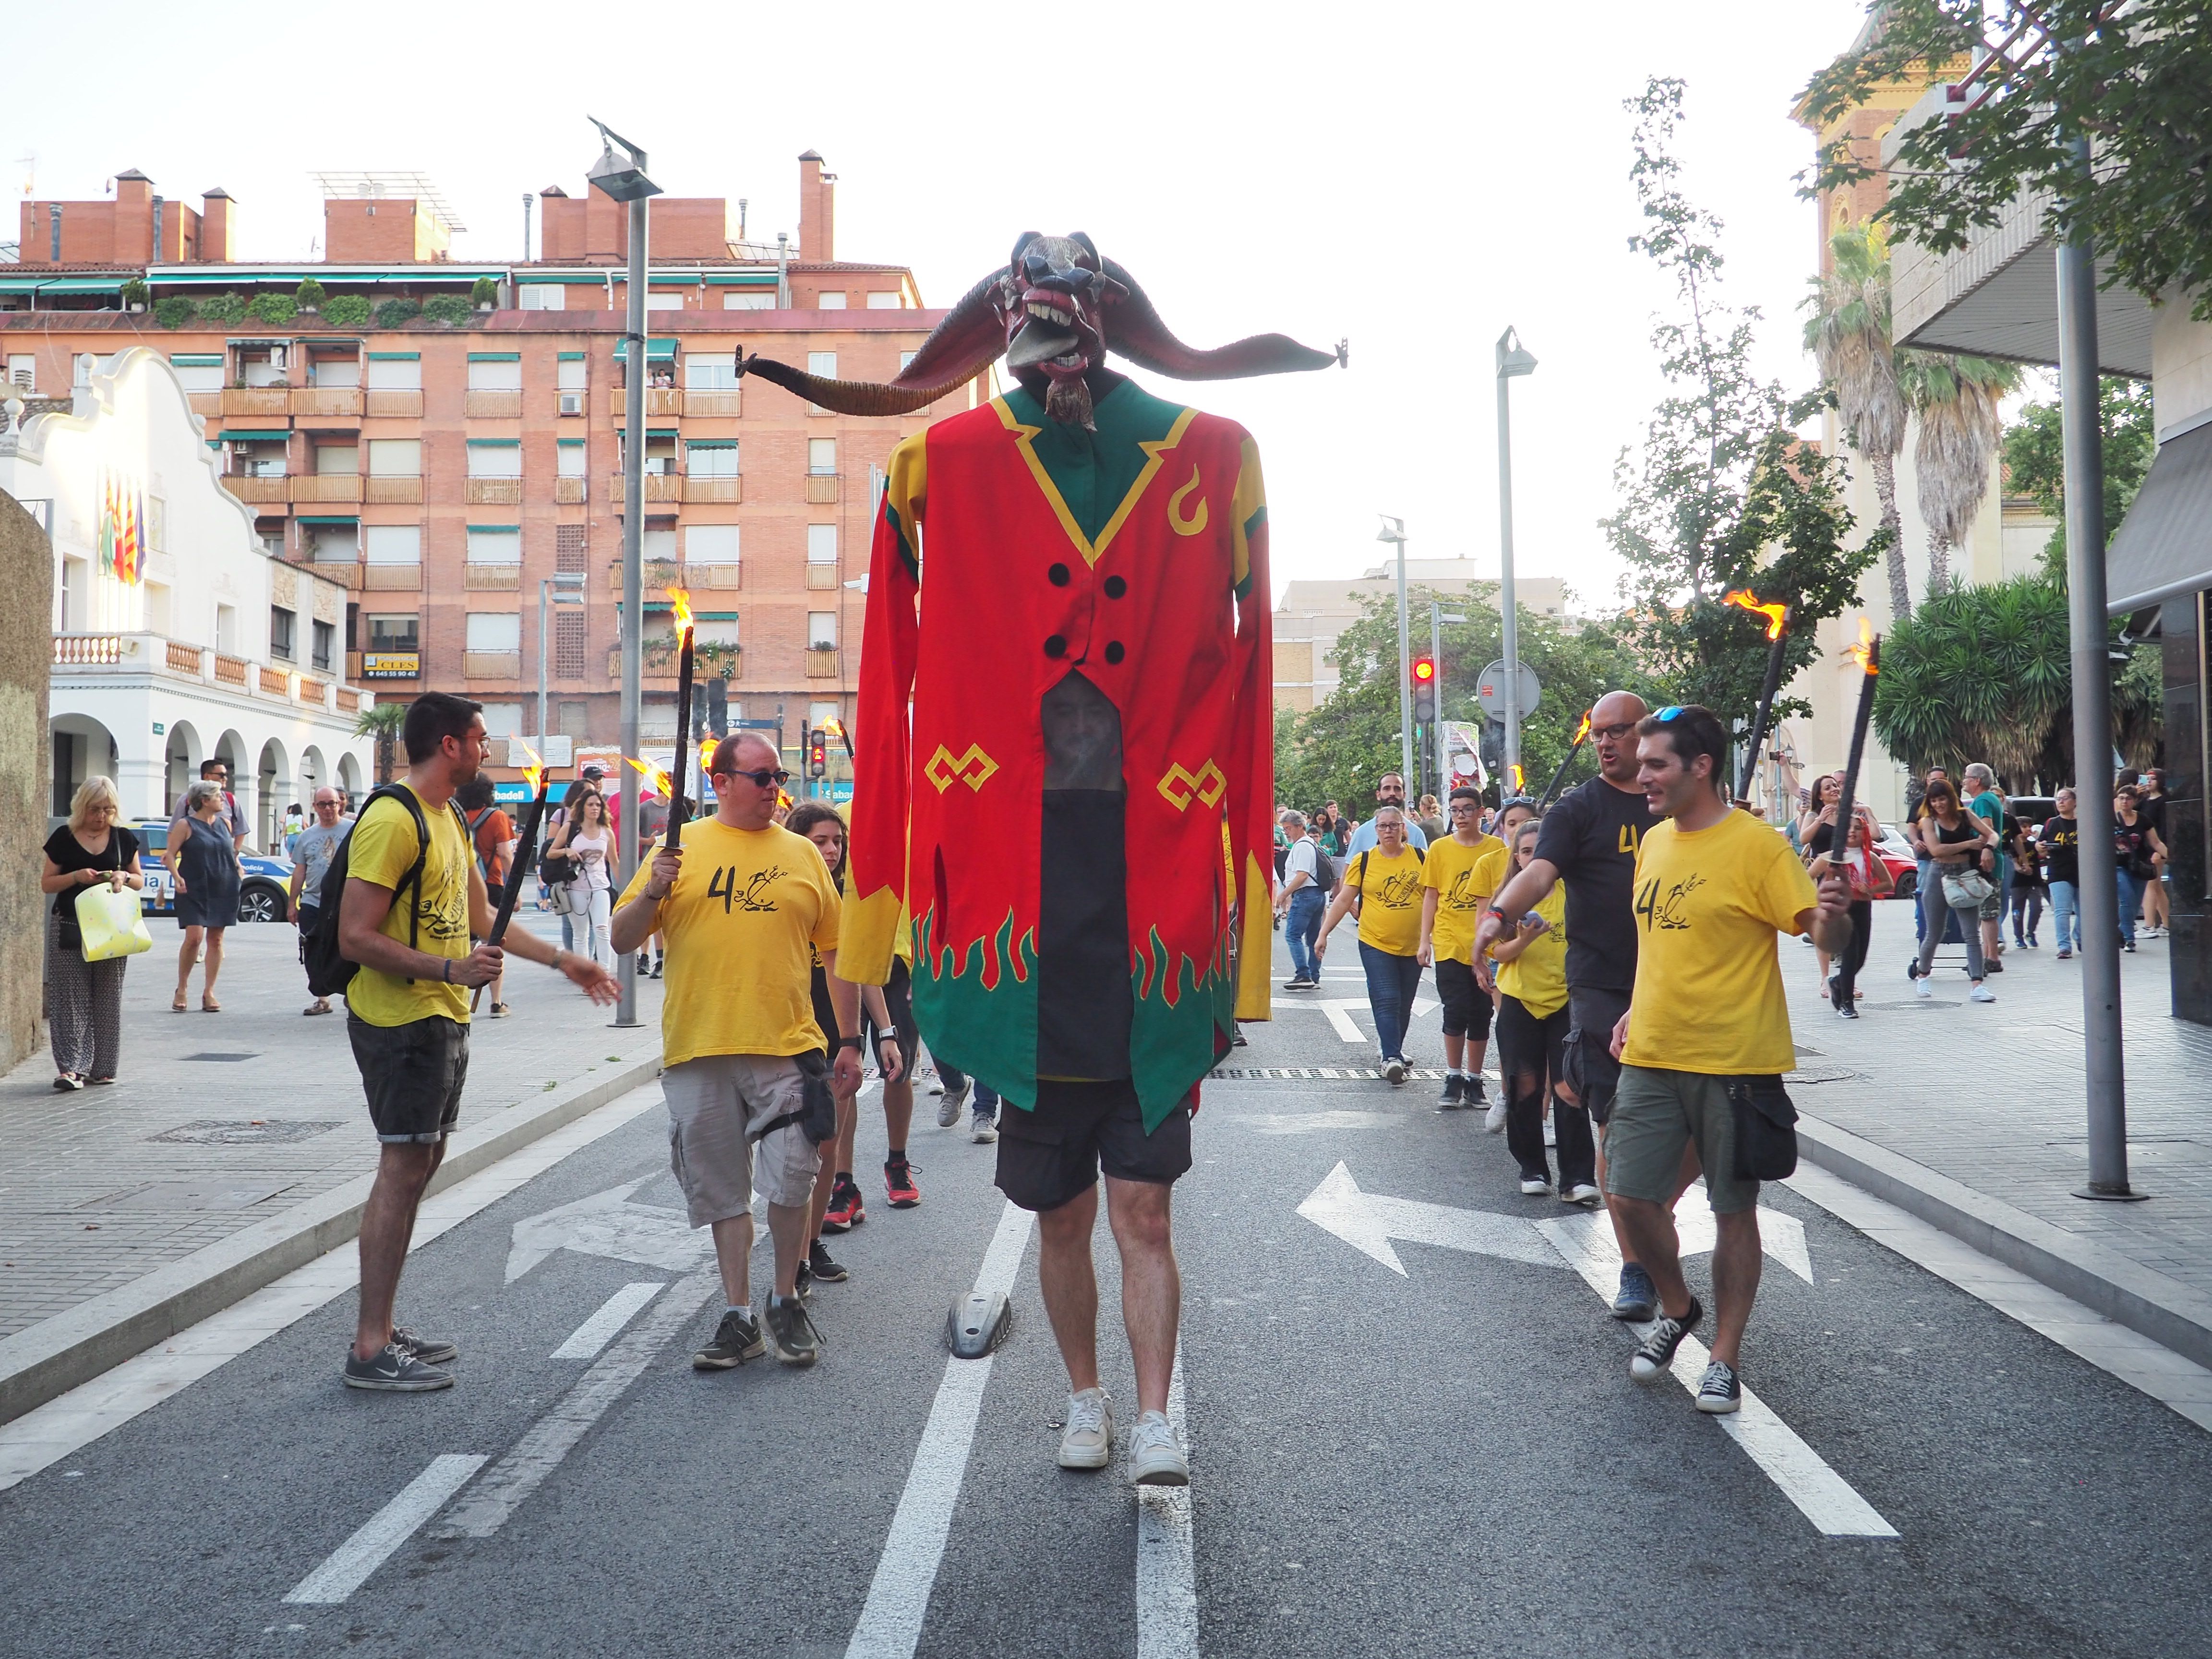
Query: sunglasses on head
pixel 1673 711
pixel 767 777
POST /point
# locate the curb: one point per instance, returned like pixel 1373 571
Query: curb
pixel 2169 1312
pixel 49 1358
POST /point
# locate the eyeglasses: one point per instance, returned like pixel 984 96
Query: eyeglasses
pixel 1467 806
pixel 1614 733
pixel 763 779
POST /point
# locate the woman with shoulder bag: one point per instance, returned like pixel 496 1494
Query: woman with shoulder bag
pixel 1958 842
pixel 588 839
pixel 85 999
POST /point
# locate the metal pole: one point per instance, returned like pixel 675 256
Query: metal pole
pixel 1437 723
pixel 543 587
pixel 2105 1067
pixel 1405 668
pixel 632 622
pixel 1508 604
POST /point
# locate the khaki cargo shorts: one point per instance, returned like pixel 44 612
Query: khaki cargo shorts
pixel 718 1104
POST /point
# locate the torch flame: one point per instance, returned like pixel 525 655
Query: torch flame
pixel 1863 654
pixel 653 775
pixel 1520 779
pixel 533 776
pixel 1582 730
pixel 1775 615
pixel 679 605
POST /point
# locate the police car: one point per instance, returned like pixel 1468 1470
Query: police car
pixel 266 896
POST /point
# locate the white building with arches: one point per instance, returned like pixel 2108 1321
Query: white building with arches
pixel 177 638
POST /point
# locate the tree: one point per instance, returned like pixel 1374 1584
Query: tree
pixel 2035 459
pixel 1724 496
pixel 2138 85
pixel 1961 433
pixel 382 721
pixel 1849 336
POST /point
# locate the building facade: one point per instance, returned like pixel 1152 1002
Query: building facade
pixel 442 439
pixel 177 637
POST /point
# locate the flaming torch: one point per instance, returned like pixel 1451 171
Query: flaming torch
pixel 1582 736
pixel 679 602
pixel 1867 654
pixel 1777 620
pixel 540 783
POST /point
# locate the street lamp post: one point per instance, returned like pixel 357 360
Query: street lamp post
pixel 1437 617
pixel 560 589
pixel 1394 530
pixel 1512 360
pixel 620 172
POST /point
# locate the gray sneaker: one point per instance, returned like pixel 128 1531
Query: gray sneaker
pixel 983 1128
pixel 394 1370
pixel 1157 1457
pixel 954 1103
pixel 797 1342
pixel 1087 1441
pixel 430 1350
pixel 737 1340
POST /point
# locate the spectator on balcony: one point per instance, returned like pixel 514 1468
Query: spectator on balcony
pixel 85 999
pixel 204 863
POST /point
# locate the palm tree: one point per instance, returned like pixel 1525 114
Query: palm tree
pixel 1848 334
pixel 381 720
pixel 1960 437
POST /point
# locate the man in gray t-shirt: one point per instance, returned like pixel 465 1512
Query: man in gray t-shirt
pixel 312 853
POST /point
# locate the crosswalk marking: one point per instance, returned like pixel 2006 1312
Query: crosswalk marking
pixel 601 1329
pixel 347 1566
pixel 1167 1567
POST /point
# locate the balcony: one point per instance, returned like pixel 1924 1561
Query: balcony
pixel 482 576
pixel 724 576
pixel 492 492
pixel 658 486
pixel 395 403
pixel 325 402
pixel 720 404
pixel 388 489
pixel 568 492
pixel 392 578
pixel 822 489
pixel 656 668
pixel 206 405
pixel 659 400
pixel 174 659
pixel 182 658
pixel 259 491
pixel 492 664
pixel 821 662
pixel 231 670
pixel 259 401
pixel 340 487
pixel 657 574
pixel 696 488
pixel 344 571
pixel 275 682
pixel 821 578
pixel 492 405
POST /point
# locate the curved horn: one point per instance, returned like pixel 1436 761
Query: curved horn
pixel 1134 329
pixel 958 349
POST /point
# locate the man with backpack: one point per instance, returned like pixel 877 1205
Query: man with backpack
pixel 1308 877
pixel 492 833
pixel 409 900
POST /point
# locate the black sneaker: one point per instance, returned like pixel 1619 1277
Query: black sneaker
pixel 430 1350
pixel 394 1370
pixel 1471 1090
pixel 822 1267
pixel 1719 1393
pixel 737 1340
pixel 1637 1299
pixel 1453 1098
pixel 804 1281
pixel 797 1342
pixel 1656 1352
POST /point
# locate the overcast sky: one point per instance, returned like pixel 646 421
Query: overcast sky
pixel 1411 178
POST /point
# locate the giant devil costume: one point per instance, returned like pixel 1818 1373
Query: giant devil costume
pixel 1091 680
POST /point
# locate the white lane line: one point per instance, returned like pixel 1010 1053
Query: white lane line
pixel 554 1435
pixel 349 1565
pixel 1167 1568
pixel 1827 1499
pixel 898 1598
pixel 73 1420
pixel 617 1311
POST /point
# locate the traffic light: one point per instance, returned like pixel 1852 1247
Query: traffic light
pixel 1425 690
pixel 818 753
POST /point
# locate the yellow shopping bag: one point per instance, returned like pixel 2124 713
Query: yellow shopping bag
pixel 112 925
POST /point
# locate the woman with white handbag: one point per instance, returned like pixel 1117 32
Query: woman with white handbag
pixel 1958 842
pixel 84 999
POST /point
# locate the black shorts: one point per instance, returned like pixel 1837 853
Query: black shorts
pixel 1466 1005
pixel 898 1003
pixel 412 1075
pixel 1053 1155
pixel 1590 1070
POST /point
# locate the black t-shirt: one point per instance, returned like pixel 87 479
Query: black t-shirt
pixel 2064 837
pixel 2132 847
pixel 1591 837
pixel 68 855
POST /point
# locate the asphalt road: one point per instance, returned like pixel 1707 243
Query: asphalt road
pixel 1450 1458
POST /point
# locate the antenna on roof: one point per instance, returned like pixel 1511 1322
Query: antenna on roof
pixel 376 185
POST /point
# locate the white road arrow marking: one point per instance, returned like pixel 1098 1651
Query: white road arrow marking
pixel 608 1224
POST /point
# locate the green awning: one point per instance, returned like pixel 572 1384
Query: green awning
pixel 597 278
pixel 741 278
pixel 334 276
pixel 395 356
pixel 572 356
pixel 494 443
pixel 706 443
pixel 495 356
pixel 655 350
pixel 570 443
pixel 309 518
pixel 196 360
pixel 230 437
pixel 82 285
pixel 495 529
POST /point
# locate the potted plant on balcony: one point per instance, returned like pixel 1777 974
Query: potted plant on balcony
pixel 308 296
pixel 396 312
pixel 174 311
pixel 223 310
pixel 347 311
pixel 136 294
pixel 483 293
pixel 446 308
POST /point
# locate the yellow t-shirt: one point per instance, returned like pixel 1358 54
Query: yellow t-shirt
pixel 1537 978
pixel 1489 874
pixel 1390 900
pixel 381 849
pixel 1449 868
pixel 1709 908
pixel 741 923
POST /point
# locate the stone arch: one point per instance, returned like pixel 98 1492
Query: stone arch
pixel 83 748
pixel 273 793
pixel 314 773
pixel 349 779
pixel 185 752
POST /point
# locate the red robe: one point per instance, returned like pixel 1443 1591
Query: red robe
pixel 1135 555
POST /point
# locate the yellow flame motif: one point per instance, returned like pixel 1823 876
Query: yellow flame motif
pixel 1776 614
pixel 1863 654
pixel 653 775
pixel 1582 730
pixel 533 775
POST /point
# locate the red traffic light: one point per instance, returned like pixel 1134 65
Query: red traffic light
pixel 1424 669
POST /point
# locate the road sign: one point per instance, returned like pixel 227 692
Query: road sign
pixel 1490 691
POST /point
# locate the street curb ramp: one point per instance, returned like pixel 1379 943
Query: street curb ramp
pixel 47 1359
pixel 2175 1315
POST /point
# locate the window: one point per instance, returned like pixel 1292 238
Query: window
pixel 280 633
pixel 830 302
pixel 878 301
pixel 659 544
pixel 657 301
pixel 393 543
pixel 821 630
pixel 334 372
pixel 575 719
pixel 572 455
pixel 822 714
pixel 262 366
pixel 226 629
pixel 258 460
pixel 822 543
pixel 492 543
pixel 822 457
pixel 393 372
pixel 720 629
pixel 821 363
pixel 494 373
pixel 395 632
pixel 905 360
pixel 332 543
pixel 702 374
pixel 494 459
pixel 571 373
pixel 502 719
pixel 711 544
pixel 543 296
pixel 712 459
pixel 569 641
pixel 326 644
pixel 395 458
pixel 337 460
pixel 494 630
pixel 762 299
pixel 23 373
pixel 659 453
pixel 196 371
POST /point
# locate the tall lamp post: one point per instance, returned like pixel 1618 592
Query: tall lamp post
pixel 560 588
pixel 620 172
pixel 1394 530
pixel 1512 360
pixel 1437 617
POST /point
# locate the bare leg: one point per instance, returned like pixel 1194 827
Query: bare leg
pixel 1070 1285
pixel 387 1224
pixel 898 1109
pixel 1456 1046
pixel 1649 1229
pixel 786 1229
pixel 848 1123
pixel 733 1253
pixel 1152 1285
pixel 835 1156
pixel 1736 1265
pixel 214 963
pixel 188 955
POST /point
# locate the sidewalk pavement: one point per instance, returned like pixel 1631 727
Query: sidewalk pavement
pixel 1973 1117
pixel 236 1146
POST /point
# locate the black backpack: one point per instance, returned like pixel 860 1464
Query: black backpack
pixel 1325 870
pixel 328 970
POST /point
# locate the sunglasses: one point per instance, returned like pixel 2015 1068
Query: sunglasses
pixel 1673 711
pixel 765 778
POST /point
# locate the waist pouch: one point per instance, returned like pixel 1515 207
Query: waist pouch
pixel 816 1116
pixel 1765 1128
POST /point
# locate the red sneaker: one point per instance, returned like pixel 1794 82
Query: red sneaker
pixel 845 1210
pixel 898 1183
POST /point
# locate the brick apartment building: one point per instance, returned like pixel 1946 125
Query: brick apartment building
pixel 443 465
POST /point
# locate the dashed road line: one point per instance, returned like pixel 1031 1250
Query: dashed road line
pixel 347 1566
pixel 1167 1567
pixel 602 1327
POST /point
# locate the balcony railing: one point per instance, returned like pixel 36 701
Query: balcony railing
pixel 231 670
pixel 481 576
pixel 389 490
pixel 326 400
pixel 659 400
pixel 72 649
pixel 696 488
pixel 658 486
pixel 393 578
pixel 395 402
pixel 206 404
pixel 822 488
pixel 142 653
pixel 256 400
pixel 821 662
pixel 275 682
pixel 185 658
pixel 568 492
pixel 716 404
pixel 349 700
pixel 821 578
pixel 326 487
pixel 492 664
pixel 492 492
pixel 258 491
pixel 492 405
pixel 656 666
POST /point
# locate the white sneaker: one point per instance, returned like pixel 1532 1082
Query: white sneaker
pixel 1394 1069
pixel 983 1130
pixel 1981 994
pixel 1531 1186
pixel 1921 988
pixel 1582 1193
pixel 1493 1120
pixel 1157 1457
pixel 1087 1441
pixel 955 1103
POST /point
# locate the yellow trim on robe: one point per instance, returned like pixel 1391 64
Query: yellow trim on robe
pixel 1154 451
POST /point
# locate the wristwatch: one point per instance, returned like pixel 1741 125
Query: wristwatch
pixel 852 1042
pixel 887 1033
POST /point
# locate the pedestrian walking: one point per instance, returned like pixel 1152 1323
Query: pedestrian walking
pixel 1430 820
pixel 958 1089
pixel 1386 880
pixel 1705 1038
pixel 295 820
pixel 204 867
pixel 1329 831
pixel 1589 842
pixel 745 906
pixel 230 821
pixel 491 834
pixel 414 919
pixel 587 837
pixel 1389 791
pixel 84 999
pixel 2059 841
pixel 2137 849
pixel 312 850
pixel 1301 897
pixel 1819 808
pixel 1491 871
pixel 2150 807
pixel 1450 907
pixel 2024 888
pixel 1867 877
pixel 1533 1020
pixel 1916 809
pixel 1957 843
pixel 1986 802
